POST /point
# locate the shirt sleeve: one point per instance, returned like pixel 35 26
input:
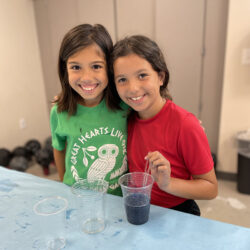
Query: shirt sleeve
pixel 194 147
pixel 58 140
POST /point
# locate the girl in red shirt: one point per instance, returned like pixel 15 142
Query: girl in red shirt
pixel 169 137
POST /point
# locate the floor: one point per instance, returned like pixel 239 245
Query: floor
pixel 229 206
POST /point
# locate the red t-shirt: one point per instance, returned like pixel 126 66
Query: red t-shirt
pixel 178 136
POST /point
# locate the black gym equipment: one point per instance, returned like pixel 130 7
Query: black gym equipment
pixel 33 146
pixel 43 158
pixel 21 151
pixel 19 163
pixel 19 158
pixel 49 148
pixel 5 157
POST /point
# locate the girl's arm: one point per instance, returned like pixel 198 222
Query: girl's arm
pixel 59 157
pixel 201 187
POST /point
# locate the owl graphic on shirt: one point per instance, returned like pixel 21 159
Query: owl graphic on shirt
pixel 104 163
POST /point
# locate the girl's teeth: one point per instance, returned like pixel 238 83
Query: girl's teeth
pixel 136 98
pixel 88 88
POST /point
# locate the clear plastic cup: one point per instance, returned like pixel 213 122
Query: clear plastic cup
pixel 51 213
pixel 90 203
pixel 136 190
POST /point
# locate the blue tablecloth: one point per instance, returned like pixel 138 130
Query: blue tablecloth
pixel 166 229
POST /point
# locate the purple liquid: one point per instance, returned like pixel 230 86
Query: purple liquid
pixel 137 208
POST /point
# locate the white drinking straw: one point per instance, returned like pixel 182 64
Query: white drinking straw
pixel 146 170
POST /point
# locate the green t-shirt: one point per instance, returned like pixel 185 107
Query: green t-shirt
pixel 96 140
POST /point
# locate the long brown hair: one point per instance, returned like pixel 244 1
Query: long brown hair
pixel 77 39
pixel 145 48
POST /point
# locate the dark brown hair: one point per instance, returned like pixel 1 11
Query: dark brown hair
pixel 77 39
pixel 147 49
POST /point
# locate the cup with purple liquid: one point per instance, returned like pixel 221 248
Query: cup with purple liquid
pixel 136 190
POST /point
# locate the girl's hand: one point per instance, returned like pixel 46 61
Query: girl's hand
pixel 160 168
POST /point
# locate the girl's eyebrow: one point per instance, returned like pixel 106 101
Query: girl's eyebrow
pixel 73 62
pixel 140 70
pixel 137 72
pixel 118 76
pixel 103 62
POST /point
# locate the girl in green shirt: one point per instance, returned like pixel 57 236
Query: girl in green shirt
pixel 89 131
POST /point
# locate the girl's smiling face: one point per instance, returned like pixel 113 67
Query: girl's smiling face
pixel 87 74
pixel 138 85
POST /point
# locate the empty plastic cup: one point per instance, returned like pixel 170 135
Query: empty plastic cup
pixel 90 204
pixel 51 220
pixel 136 190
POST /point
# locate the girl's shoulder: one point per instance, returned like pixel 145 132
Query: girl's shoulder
pixel 54 108
pixel 186 120
pixel 55 113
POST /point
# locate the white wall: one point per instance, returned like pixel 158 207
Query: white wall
pixel 22 92
pixel 235 108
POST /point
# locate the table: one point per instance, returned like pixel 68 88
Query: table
pixel 166 228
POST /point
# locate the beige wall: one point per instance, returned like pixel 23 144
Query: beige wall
pixel 22 88
pixel 211 90
pixel 235 108
pixel 179 32
pixel 135 17
pixel 177 26
pixel 31 88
